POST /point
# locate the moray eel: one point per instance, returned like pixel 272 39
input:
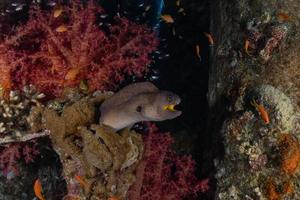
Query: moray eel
pixel 138 102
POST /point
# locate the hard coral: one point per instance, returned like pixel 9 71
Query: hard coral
pixel 162 174
pixel 280 106
pixel 38 53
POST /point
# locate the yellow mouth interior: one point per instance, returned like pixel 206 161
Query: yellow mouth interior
pixel 169 107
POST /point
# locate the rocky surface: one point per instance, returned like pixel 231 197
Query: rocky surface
pixel 254 60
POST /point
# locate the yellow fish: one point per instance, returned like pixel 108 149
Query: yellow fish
pixel 167 19
pixel 38 189
pixel 61 29
pixel 57 11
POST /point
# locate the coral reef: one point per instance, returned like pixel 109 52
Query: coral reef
pixel 15 129
pixel 14 122
pixel 162 174
pixel 253 155
pixel 279 106
pixel 97 162
pixel 265 43
pixel 13 153
pixel 58 52
pixel 257 63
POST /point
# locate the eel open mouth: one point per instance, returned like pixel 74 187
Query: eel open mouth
pixel 170 107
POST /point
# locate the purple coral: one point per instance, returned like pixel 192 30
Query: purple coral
pixel 162 174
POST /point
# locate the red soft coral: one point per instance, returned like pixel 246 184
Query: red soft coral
pixel 9 156
pixel 162 174
pixel 39 54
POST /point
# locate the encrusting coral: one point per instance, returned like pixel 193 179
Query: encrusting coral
pixel 38 53
pixel 256 151
pixel 289 148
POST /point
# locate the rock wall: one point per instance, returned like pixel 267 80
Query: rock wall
pixel 254 98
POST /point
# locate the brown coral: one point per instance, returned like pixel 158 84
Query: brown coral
pixel 105 160
pixel 290 153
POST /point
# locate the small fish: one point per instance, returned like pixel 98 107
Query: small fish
pixel 178 3
pixel 72 74
pixel 181 10
pixel 10 175
pixel 210 38
pixel 283 17
pixel 81 181
pixel 173 31
pixel 147 8
pixel 246 46
pixel 38 189
pixel 167 19
pixel 61 29
pixel 113 198
pixel 198 51
pixel 262 111
pixel 57 11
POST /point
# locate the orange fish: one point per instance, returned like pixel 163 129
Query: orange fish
pixel 81 181
pixel 198 51
pixel 246 46
pixel 57 11
pixel 113 198
pixel 38 189
pixel 61 29
pixel 167 19
pixel 72 74
pixel 262 111
pixel 210 38
pixel 283 17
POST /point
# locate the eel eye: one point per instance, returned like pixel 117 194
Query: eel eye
pixel 139 109
pixel 170 98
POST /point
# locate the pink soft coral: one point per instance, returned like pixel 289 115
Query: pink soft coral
pixel 9 156
pixel 164 175
pixel 39 54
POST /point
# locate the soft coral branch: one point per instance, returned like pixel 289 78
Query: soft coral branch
pixel 164 175
pixel 10 155
pixel 37 54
